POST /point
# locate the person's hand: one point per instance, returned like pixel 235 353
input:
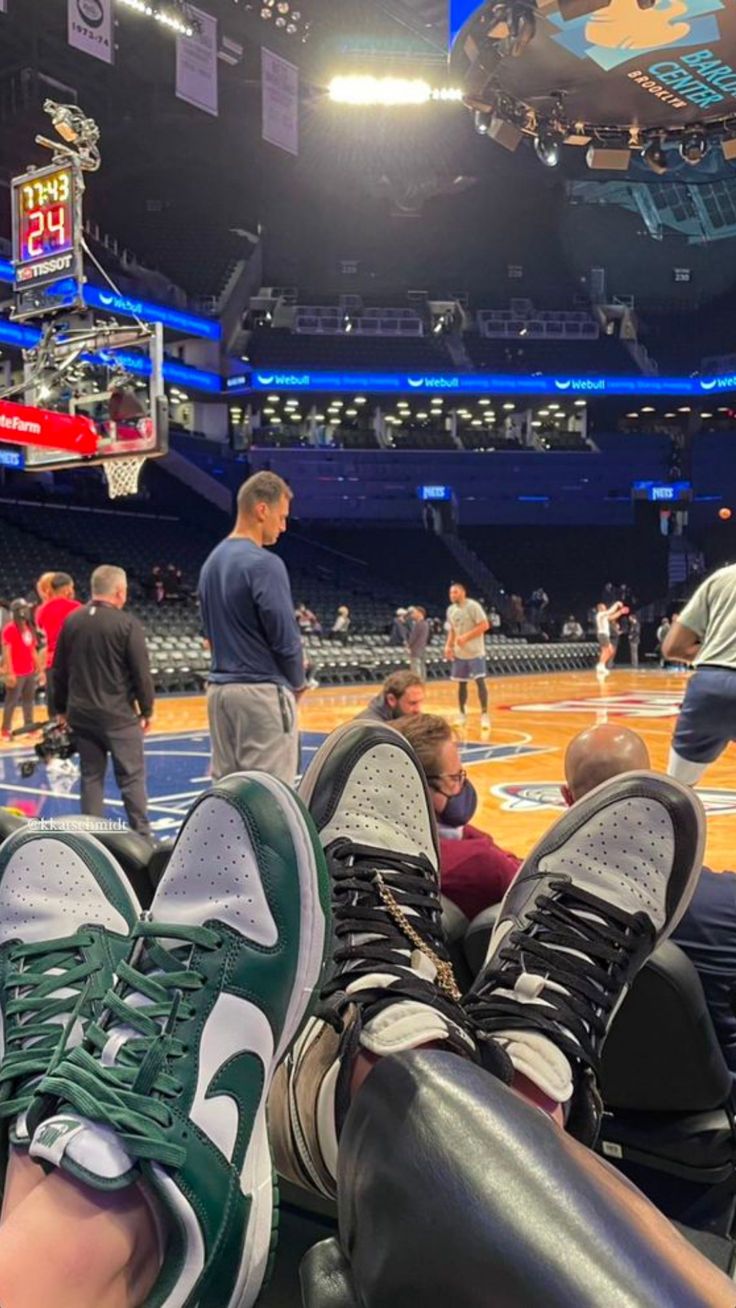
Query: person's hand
pixel 11 681
pixel 460 640
pixel 302 689
pixel 449 653
pixel 145 724
pixel 61 720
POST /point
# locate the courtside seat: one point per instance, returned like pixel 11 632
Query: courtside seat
pixel 669 1097
pixel 10 822
pixel 477 937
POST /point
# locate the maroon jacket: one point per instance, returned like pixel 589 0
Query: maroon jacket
pixel 474 871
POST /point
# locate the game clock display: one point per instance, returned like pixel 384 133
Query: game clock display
pixel 44 226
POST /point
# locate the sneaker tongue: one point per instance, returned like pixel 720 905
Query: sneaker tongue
pixel 87 1150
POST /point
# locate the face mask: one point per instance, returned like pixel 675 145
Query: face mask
pixel 459 808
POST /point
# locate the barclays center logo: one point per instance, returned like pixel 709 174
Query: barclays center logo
pixel 614 35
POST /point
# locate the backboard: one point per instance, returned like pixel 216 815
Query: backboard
pixel 94 377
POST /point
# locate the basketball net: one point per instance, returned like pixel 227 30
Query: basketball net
pixel 122 476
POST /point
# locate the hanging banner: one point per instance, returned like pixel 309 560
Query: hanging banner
pixel 3 6
pixel 196 64
pixel 90 27
pixel 280 101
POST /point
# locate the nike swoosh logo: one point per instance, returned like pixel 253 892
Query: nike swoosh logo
pixel 235 1055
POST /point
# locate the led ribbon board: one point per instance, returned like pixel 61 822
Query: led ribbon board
pixel 129 306
pixel 476 383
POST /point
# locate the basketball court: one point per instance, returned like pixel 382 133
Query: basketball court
pixel 517 771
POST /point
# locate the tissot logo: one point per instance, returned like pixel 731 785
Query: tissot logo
pixel 92 12
pixel 623 30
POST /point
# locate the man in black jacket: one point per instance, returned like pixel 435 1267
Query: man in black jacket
pixel 103 688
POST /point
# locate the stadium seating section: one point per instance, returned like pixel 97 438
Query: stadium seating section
pixel 373 573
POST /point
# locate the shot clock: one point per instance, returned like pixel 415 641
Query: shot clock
pixel 46 237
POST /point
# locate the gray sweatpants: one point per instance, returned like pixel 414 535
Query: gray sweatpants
pixel 253 727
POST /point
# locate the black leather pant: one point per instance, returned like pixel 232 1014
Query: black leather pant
pixel 456 1193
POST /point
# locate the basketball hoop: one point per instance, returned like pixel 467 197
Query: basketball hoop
pixel 122 476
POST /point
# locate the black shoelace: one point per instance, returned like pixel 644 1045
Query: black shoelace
pixel 359 873
pixel 612 942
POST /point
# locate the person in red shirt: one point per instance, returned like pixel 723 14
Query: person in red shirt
pixel 50 618
pixel 474 871
pixel 21 664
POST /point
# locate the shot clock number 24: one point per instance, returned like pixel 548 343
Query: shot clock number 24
pixel 45 215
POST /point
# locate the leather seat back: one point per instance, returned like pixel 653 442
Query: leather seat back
pixel 662 1053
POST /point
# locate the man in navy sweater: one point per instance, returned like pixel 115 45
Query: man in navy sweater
pixel 257 671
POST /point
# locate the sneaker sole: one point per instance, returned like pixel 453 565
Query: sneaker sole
pixel 257 1177
pixel 315 772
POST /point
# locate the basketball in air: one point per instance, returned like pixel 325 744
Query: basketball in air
pixel 724 514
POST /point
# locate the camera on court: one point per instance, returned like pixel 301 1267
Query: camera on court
pixel 57 742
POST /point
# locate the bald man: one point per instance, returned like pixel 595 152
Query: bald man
pixel 599 753
pixel 707 932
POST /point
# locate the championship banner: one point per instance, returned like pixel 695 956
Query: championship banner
pixel 196 64
pixel 280 101
pixel 90 27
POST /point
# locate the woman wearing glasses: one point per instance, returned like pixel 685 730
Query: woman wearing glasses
pixel 474 871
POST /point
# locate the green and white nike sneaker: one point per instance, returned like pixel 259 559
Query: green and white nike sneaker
pixel 66 913
pixel 170 1086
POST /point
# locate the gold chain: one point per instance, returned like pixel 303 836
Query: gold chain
pixel 445 976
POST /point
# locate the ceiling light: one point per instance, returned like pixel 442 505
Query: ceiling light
pixel 685 409
pixel 175 15
pixel 580 404
pixel 694 147
pixel 388 91
pixel 509 407
pixel 647 408
pixel 655 156
pixel 359 399
pixel 272 399
pixel 547 146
